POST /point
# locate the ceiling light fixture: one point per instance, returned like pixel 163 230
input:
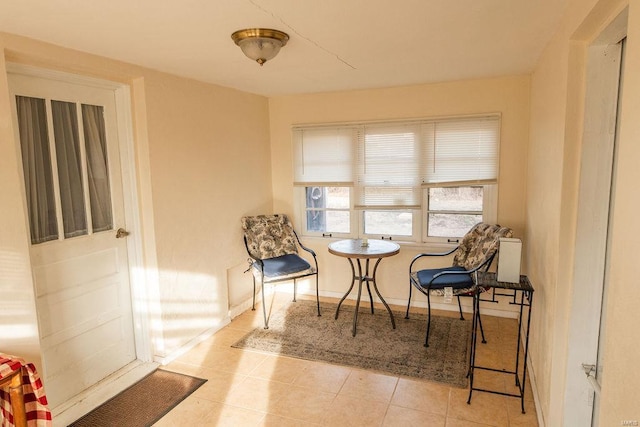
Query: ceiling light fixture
pixel 260 44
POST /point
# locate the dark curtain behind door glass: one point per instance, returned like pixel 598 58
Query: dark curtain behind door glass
pixel 36 165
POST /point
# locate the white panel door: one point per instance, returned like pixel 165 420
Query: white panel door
pixel 75 207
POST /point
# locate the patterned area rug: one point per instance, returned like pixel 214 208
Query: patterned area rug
pixel 143 403
pixel 297 331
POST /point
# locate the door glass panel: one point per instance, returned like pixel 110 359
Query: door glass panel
pixel 65 131
pixel 36 164
pixel 95 140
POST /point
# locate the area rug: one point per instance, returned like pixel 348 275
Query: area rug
pixel 143 403
pixel 297 331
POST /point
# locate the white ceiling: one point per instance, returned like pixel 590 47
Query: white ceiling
pixel 334 45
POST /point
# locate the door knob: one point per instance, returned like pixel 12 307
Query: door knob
pixel 121 233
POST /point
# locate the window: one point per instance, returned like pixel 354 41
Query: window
pixel 421 180
pixel 328 210
pixel 452 211
pixel 65 168
pixel 324 159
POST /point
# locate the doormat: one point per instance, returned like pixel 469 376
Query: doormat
pixel 143 403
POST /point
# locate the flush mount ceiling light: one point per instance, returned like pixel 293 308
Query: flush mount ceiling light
pixel 260 44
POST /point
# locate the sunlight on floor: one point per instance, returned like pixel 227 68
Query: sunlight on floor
pixel 248 388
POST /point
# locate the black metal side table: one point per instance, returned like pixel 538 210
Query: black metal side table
pixel 525 291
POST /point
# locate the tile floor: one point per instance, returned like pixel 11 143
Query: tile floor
pixel 247 388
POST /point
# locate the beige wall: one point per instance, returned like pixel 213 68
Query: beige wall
pixel 508 95
pixel 202 153
pixel 208 169
pixel 544 196
pixel 557 108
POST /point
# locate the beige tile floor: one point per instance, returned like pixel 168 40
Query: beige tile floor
pixel 247 388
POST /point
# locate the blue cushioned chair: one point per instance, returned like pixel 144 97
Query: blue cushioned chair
pixel 272 244
pixel 476 251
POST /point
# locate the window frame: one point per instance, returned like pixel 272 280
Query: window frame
pixel 489 212
pixel 415 225
pixel 419 218
pixel 300 198
pixel 419 214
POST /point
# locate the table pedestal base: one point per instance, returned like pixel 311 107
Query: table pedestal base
pixel 364 278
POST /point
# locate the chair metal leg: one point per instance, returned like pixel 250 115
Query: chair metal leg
pixel 474 339
pixel 295 289
pixel 426 340
pixel 253 303
pixel 264 307
pixel 460 307
pixel 317 296
pixel 484 341
pixel 406 316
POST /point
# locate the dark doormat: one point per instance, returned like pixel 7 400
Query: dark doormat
pixel 297 331
pixel 143 403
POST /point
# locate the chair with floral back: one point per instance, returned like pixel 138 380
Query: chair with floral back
pixel 272 245
pixel 475 252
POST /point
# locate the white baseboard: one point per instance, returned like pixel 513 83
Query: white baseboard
pixel 534 389
pixel 165 360
pixel 466 305
pixel 237 310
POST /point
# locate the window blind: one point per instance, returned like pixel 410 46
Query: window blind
pixel 462 151
pixel 324 156
pixel 391 162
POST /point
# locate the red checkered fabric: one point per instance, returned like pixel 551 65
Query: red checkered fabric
pixel 35 400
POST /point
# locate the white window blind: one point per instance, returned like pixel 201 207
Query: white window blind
pixel 324 156
pixel 389 157
pixel 462 151
pixel 391 162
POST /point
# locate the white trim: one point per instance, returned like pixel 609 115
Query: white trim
pixel 431 247
pixel 534 390
pixel 472 183
pixel 602 73
pixel 466 308
pixel 189 345
pixel 488 115
pixel 490 203
pixel 237 310
pixel 29 70
pixel 140 300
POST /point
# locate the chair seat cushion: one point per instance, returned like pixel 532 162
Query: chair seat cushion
pixel 455 281
pixel 285 265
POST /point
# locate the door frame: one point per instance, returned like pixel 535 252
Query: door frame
pixel 137 278
pixel 597 176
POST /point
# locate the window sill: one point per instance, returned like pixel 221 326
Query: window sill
pixel 431 247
